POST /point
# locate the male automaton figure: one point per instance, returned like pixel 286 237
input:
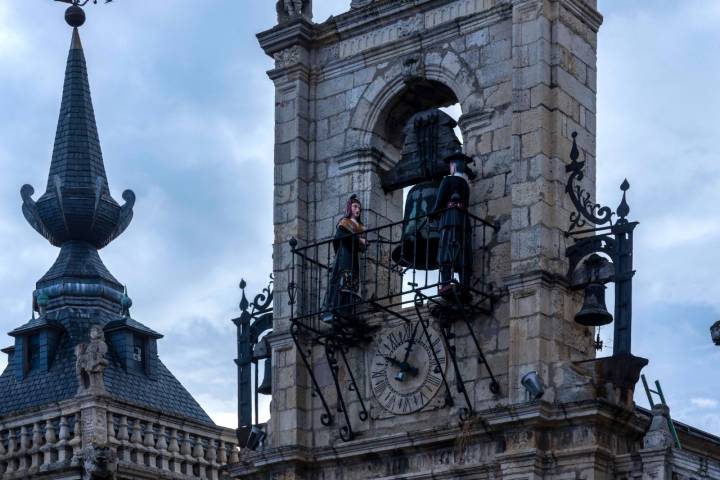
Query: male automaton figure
pixel 344 281
pixel 455 253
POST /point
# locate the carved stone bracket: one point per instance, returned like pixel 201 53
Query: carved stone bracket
pixel 413 67
pixel 615 377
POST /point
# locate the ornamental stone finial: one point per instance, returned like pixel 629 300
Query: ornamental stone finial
pixel 659 435
pixel 289 10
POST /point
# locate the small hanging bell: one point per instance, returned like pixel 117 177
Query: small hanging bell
pixel 265 387
pixel 594 313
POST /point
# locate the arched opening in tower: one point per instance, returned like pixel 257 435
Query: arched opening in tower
pixel 416 131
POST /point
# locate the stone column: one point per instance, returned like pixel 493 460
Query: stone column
pixel 554 46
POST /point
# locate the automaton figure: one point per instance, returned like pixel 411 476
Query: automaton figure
pixel 455 253
pixel 344 282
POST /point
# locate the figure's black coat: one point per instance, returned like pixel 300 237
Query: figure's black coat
pixel 344 281
pixel 455 251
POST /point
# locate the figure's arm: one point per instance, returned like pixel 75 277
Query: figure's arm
pixel 440 200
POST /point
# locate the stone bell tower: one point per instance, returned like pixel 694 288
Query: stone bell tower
pixel 523 73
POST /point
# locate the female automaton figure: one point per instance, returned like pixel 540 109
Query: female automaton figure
pixel 344 281
pixel 455 253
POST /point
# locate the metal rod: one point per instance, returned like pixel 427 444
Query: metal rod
pixel 390 225
pixel 494 385
pixel 346 432
pixel 448 395
pixel 363 414
pixel 255 390
pixel 458 376
pixel 325 418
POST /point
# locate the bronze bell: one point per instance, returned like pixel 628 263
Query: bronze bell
pixel 265 387
pixel 420 237
pixel 594 313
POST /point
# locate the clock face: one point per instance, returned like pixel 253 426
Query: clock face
pixel 405 373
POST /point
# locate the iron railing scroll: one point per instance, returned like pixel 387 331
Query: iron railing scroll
pixel 254 323
pixel 395 277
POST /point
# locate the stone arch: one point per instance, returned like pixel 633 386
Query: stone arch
pixel 445 78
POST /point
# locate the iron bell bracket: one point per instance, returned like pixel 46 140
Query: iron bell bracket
pixel 255 321
pixel 594 232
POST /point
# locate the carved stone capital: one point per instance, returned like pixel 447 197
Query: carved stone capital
pixel 288 57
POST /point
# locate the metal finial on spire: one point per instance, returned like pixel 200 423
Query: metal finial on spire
pixel 75 15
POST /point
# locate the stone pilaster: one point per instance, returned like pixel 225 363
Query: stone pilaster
pixel 288 45
pixel 554 70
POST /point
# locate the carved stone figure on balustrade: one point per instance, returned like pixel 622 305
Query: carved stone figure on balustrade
pixel 288 10
pixel 91 363
pixel 99 463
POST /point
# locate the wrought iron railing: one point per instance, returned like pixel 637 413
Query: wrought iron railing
pixel 399 272
pixel 394 269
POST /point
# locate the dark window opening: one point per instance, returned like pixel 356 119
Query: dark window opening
pixel 138 352
pixel 32 352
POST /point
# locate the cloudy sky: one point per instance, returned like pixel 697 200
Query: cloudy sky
pixel 185 117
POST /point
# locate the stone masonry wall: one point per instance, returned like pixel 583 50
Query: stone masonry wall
pixel 523 73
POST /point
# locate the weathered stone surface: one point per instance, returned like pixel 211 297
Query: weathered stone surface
pixel 524 76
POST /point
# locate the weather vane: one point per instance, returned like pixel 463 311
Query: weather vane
pixel 75 15
pixel 80 3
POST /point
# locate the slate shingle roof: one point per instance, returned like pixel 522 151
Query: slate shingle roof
pixel 162 393
pixel 77 213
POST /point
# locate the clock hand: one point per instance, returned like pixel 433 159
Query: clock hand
pixel 411 342
pixel 394 361
pixel 404 368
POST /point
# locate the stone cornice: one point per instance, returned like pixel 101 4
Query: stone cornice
pixel 298 32
pixel 362 158
pixel 585 13
pixel 501 419
pixel 523 280
pixel 296 71
pixel 396 23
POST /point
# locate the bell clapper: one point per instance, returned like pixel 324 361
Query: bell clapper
pixel 599 344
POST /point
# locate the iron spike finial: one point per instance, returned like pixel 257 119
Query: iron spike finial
pixel 244 303
pixel 623 209
pixel 575 152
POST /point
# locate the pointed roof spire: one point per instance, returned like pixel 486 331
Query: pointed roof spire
pixel 77 212
pixel 77 204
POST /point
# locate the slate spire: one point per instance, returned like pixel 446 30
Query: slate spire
pixel 77 212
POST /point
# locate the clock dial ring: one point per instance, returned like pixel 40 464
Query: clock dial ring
pixel 404 373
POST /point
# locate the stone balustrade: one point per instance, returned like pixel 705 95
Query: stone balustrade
pixel 151 443
pixel 30 447
pixel 45 443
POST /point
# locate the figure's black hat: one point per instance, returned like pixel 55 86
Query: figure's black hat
pixel 467 161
